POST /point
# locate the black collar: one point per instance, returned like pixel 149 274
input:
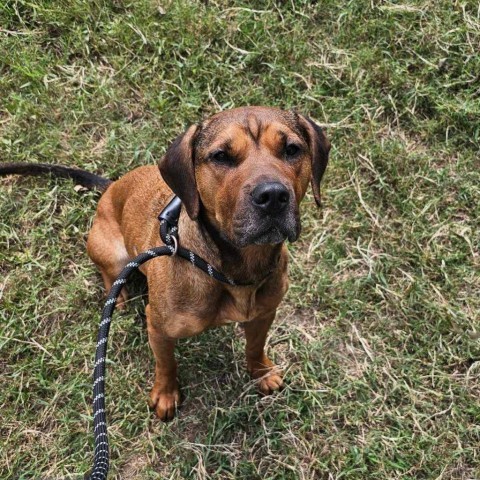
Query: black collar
pixel 169 218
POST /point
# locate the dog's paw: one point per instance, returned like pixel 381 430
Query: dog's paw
pixel 164 402
pixel 270 383
pixel 267 375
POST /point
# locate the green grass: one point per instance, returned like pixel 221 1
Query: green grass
pixel 379 333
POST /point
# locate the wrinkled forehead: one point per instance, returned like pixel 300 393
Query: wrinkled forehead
pixel 252 122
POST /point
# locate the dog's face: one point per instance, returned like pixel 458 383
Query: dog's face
pixel 248 168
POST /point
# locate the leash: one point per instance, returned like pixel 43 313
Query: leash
pixel 169 234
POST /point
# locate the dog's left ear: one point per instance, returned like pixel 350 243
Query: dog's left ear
pixel 319 148
pixel 178 170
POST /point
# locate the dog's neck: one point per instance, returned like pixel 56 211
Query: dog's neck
pixel 248 265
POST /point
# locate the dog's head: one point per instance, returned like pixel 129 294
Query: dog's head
pixel 248 168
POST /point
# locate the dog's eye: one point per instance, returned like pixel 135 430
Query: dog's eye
pixel 291 149
pixel 222 157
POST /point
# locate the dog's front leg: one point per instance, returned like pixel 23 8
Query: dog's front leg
pixel 165 394
pixel 258 364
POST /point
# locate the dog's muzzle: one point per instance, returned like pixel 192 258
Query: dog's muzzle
pixel 268 217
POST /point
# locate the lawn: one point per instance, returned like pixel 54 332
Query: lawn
pixel 379 333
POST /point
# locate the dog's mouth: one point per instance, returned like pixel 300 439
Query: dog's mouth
pixel 267 232
pixel 272 236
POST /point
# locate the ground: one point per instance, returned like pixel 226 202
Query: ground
pixel 379 334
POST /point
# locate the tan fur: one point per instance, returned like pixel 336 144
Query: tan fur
pixel 183 300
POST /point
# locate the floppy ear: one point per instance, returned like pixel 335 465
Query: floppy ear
pixel 178 171
pixel 319 148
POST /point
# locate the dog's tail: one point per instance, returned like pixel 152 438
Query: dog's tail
pixel 81 177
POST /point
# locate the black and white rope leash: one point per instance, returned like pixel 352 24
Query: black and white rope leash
pixel 169 235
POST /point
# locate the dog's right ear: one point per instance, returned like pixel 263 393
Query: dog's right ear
pixel 178 170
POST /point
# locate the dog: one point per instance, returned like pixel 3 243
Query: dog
pixel 241 175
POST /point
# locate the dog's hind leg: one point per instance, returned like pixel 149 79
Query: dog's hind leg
pixel 106 246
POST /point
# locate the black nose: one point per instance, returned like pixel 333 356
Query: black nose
pixel 271 197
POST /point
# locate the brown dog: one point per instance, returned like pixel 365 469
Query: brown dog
pixel 241 176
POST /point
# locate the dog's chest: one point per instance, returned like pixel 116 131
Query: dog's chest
pixel 240 307
pixel 248 304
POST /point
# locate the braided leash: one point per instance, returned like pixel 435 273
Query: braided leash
pixel 169 235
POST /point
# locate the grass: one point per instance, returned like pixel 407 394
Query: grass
pixel 379 333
